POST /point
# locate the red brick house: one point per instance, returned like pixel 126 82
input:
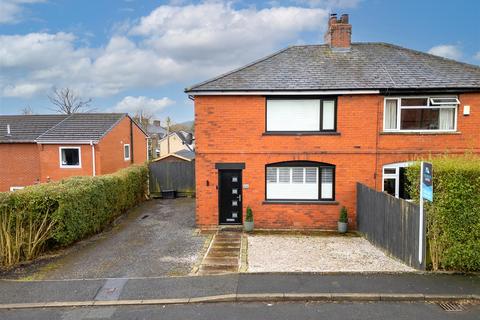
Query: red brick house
pixel 41 148
pixel 290 134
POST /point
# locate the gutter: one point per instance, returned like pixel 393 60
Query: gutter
pixel 66 141
pixel 280 93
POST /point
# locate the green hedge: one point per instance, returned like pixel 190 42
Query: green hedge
pixel 74 208
pixel 453 219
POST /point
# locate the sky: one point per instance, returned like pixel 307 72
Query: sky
pixel 129 55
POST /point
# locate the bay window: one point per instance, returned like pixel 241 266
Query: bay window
pixel 298 115
pixel 420 114
pixel 300 180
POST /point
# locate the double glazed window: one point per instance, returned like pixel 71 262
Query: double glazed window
pixel 420 114
pixel 297 115
pixel 126 151
pixel 70 157
pixel 300 181
pixel 395 180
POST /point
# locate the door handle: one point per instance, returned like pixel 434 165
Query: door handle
pixel 239 197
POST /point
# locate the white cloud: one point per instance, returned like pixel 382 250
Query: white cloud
pixel 172 43
pixel 447 51
pixel 11 10
pixel 149 105
pixel 331 3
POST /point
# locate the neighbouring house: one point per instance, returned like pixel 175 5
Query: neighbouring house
pixel 176 141
pixel 173 173
pixel 291 134
pixel 156 132
pixel 42 148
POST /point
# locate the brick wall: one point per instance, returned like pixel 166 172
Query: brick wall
pixel 230 129
pixel 19 165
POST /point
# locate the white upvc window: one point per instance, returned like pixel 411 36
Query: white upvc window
pixel 16 188
pixel 126 151
pixel 297 115
pixel 300 182
pixel 395 180
pixel 418 114
pixel 70 157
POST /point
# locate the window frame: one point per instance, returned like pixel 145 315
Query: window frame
pixel 63 166
pixel 16 188
pixel 304 164
pixel 429 106
pixel 395 176
pixel 321 99
pixel 129 152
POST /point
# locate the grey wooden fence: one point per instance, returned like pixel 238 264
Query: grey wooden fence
pixel 172 175
pixel 391 224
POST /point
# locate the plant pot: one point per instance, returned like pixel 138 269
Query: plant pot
pixel 248 226
pixel 342 227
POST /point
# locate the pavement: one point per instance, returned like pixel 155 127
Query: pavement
pixel 256 310
pixel 238 288
pixel 157 238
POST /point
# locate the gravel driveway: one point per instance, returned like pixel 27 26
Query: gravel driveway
pixel 317 254
pixel 158 238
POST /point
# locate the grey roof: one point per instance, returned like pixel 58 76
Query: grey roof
pixel 27 128
pixel 186 154
pixel 58 128
pixel 153 129
pixel 364 66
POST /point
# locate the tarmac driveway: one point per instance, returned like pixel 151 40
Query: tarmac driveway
pixel 158 238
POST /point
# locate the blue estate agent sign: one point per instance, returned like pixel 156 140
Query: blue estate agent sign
pixel 427 181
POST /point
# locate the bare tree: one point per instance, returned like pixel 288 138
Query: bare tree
pixel 68 102
pixel 143 118
pixel 26 111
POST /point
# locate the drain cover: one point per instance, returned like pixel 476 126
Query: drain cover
pixel 451 306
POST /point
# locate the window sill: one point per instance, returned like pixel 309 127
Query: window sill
pixel 419 132
pixel 317 202
pixel 301 133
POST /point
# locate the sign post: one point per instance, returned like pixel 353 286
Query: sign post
pixel 426 192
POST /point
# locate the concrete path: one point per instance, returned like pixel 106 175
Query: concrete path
pixel 238 287
pixel 223 255
pixel 158 238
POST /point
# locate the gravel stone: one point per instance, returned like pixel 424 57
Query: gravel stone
pixel 317 254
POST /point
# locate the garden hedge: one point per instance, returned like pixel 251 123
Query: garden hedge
pixel 453 219
pixel 59 213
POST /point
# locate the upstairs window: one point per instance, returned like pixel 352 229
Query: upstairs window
pixel 298 115
pixel 70 157
pixel 420 114
pixel 300 181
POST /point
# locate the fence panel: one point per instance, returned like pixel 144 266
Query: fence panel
pixel 390 223
pixel 172 175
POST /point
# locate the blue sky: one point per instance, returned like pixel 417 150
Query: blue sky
pixel 140 54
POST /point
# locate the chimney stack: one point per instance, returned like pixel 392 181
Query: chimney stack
pixel 339 33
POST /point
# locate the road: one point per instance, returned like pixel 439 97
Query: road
pixel 264 311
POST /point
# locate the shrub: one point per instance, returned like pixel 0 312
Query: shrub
pixel 59 213
pixel 343 215
pixel 453 219
pixel 249 215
